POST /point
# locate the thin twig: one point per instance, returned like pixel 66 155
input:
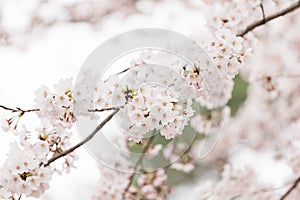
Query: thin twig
pixel 123 71
pixel 269 18
pixel 262 10
pixel 106 109
pixel 88 138
pixel 19 109
pixel 295 184
pixel 22 111
pixel 119 73
pixel 138 163
pixel 261 191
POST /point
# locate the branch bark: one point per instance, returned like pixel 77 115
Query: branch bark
pixel 106 109
pixel 288 192
pixel 17 109
pixel 88 138
pixel 262 10
pixel 265 20
pixel 22 111
pixel 138 163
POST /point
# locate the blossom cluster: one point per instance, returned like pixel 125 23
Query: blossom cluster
pixel 153 108
pixel 235 183
pixel 232 14
pixel 152 185
pixel 166 104
pixel 266 122
pixel 227 52
pixel 26 170
pixel 112 184
pixel 56 109
pixel 148 185
pixel 180 157
pixel 24 173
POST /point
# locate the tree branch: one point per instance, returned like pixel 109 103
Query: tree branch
pixel 88 138
pixel 262 10
pixel 106 109
pixel 287 193
pixel 22 111
pixel 138 163
pixel 269 18
pixel 17 109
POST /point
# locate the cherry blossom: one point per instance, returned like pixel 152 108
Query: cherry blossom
pixel 23 173
pixel 235 184
pixel 56 108
pixel 180 156
pixel 112 184
pixel 160 94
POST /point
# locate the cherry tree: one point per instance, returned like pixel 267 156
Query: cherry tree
pixel 152 117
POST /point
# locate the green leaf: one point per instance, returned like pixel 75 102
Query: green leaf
pixel 239 94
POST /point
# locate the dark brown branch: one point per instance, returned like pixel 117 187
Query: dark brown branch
pixel 262 10
pixel 88 138
pixel 123 71
pixel 269 18
pixel 22 111
pixel 106 109
pixel 287 193
pixel 138 163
